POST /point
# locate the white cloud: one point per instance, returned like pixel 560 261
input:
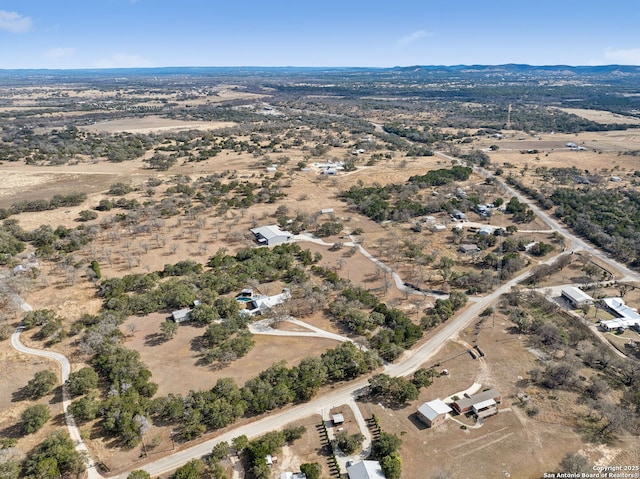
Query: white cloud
pixel 413 37
pixel 55 53
pixel 123 60
pixel 630 56
pixel 14 22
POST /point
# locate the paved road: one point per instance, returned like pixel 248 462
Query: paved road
pixel 65 369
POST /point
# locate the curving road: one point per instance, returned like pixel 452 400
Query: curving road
pixel 65 369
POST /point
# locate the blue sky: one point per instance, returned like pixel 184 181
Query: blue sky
pixel 379 33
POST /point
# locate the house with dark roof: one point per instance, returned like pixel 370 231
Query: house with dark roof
pixel 468 248
pixel 482 404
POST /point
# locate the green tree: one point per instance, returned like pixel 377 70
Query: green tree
pixel 85 408
pixel 423 378
pixel 55 457
pixel 82 381
pixel 139 474
pixel 10 470
pixel 218 471
pixel 220 451
pixel 34 417
pixel 396 390
pixel 38 317
pixel 87 215
pixel 168 330
pixel 311 374
pixel 386 445
pixel 391 466
pixel 311 470
pixel 349 444
pixel 41 384
pixel 240 443
pixel 95 267
pixel 194 469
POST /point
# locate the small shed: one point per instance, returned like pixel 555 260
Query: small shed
pixel 485 408
pixel 468 248
pixel 337 419
pixel 181 315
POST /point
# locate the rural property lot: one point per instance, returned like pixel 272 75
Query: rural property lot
pixel 512 441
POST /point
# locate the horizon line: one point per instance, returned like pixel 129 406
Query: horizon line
pixel 457 65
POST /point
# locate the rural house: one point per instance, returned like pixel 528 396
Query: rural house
pixel 482 404
pixel 433 412
pixel 365 470
pixel 259 304
pixel 271 235
pixel 626 317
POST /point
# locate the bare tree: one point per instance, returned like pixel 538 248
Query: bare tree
pixel 132 328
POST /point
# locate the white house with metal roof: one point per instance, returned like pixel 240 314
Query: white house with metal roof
pixel 271 235
pixel 626 315
pixel 259 304
pixel 365 470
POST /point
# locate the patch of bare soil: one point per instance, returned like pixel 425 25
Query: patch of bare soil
pixel 308 449
pixel 602 116
pixel 18 369
pixel 153 124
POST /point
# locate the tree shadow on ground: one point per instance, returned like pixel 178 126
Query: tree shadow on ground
pixel 57 396
pixel 14 431
pixel 154 339
pixel 198 344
